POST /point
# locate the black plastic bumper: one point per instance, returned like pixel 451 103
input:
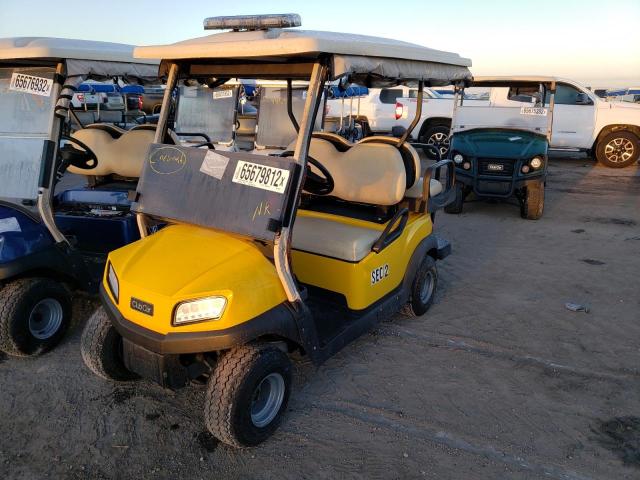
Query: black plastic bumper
pixel 495 186
pixel 278 321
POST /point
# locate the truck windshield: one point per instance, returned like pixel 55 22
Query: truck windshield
pixel 26 113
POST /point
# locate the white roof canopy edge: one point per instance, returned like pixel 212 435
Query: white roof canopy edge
pixel 83 57
pixel 354 55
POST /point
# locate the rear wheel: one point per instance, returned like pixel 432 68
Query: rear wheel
pixel 618 149
pixel 101 348
pixel 34 314
pixel 438 136
pixel 423 289
pixel 458 201
pixel 533 202
pixel 247 394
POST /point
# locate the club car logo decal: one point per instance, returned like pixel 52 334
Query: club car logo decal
pixel 379 274
pixel 167 160
pixel 30 84
pixel 261 176
pixel 140 306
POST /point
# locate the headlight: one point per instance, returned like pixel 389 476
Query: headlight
pixel 112 280
pixel 536 162
pixel 209 308
pixel 458 158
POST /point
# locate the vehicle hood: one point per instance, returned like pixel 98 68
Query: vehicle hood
pixel 499 143
pixel 624 106
pixel 185 262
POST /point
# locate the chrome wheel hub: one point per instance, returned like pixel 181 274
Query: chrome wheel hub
pixel 619 150
pixel 45 318
pixel 267 399
pixel 440 141
pixel 427 288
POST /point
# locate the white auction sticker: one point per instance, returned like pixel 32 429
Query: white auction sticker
pixel 222 94
pixel 214 164
pixel 542 112
pixel 30 84
pixel 261 176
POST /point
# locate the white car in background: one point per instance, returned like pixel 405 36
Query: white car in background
pixel 582 122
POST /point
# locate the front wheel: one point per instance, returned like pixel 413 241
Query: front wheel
pixel 423 289
pixel 247 394
pixel 438 137
pixel 34 314
pixel 458 201
pixel 101 348
pixel 533 202
pixel 618 149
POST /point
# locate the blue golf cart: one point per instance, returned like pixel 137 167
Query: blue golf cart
pixel 53 237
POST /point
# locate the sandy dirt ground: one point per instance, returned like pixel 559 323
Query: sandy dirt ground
pixel 497 381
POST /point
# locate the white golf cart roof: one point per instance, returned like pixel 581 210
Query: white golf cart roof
pixel 82 56
pixel 361 56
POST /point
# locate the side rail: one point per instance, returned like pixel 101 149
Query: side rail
pixel 429 203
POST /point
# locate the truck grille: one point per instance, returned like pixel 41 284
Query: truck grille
pixel 486 166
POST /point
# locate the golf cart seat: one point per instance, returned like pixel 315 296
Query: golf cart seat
pixel 114 131
pixel 410 156
pixel 413 164
pixel 333 238
pixel 368 173
pixel 122 156
pixel 338 141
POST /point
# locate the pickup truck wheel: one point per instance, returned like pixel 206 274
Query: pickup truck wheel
pixel 533 202
pixel 618 149
pixel 437 135
pixel 458 202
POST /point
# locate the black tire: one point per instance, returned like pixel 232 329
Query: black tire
pixel 458 202
pixel 613 146
pixel 231 389
pixel 101 348
pixel 532 205
pixel 423 289
pixel 34 315
pixel 433 134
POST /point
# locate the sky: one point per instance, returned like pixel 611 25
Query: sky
pixel 594 42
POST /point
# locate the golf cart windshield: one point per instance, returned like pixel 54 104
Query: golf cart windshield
pixel 26 113
pixel 208 111
pixel 522 110
pixel 275 128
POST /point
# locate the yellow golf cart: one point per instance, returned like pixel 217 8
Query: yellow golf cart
pixel 300 250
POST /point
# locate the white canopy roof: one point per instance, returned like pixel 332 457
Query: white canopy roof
pixel 63 48
pixel 356 55
pixel 83 57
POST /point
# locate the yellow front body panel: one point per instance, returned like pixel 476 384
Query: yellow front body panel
pixel 363 283
pixel 185 262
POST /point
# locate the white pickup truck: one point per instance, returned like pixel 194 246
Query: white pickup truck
pixel 581 122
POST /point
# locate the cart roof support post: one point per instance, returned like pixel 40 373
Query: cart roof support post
pixel 416 119
pixel 282 242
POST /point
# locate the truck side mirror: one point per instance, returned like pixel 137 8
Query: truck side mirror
pixel 398 131
pixel 583 99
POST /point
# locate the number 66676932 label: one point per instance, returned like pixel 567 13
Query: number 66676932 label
pixel 30 84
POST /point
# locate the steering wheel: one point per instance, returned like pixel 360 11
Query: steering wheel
pixel 314 183
pixel 84 160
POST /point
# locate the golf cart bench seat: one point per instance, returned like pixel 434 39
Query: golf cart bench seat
pixel 362 171
pixel 333 238
pixel 97 197
pixel 123 156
